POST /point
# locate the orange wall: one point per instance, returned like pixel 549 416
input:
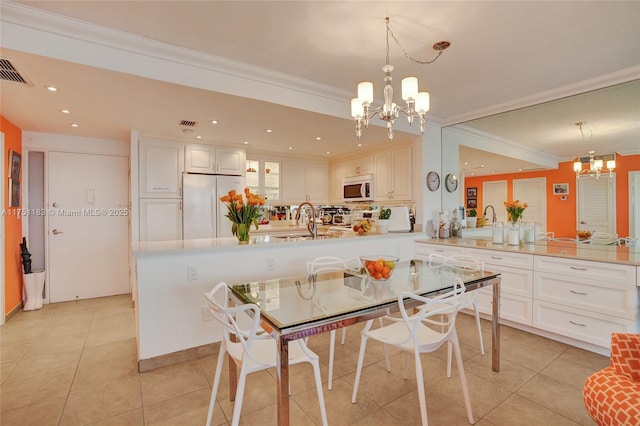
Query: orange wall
pixel 13 224
pixel 561 215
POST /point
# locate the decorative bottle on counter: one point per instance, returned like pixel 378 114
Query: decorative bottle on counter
pixel 443 229
pixel 513 233
pixel 455 224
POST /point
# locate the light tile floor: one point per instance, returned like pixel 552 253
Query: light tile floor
pixel 75 364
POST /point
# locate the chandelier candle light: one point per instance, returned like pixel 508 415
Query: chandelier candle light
pixel 417 102
pixel 595 162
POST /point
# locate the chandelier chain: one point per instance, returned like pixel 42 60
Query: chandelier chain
pixel 406 54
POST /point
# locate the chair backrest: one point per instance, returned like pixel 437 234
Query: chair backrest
pixel 600 237
pixel 444 305
pixel 332 263
pixel 218 300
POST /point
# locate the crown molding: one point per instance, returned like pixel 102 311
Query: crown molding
pixel 621 76
pixel 507 147
pixel 73 30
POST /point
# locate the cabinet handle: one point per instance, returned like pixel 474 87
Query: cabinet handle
pixel 577 323
pixel 578 292
pixel 496 257
pixel 160 188
pixel 438 250
pixel 575 268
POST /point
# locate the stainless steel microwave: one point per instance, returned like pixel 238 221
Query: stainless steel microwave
pixel 357 188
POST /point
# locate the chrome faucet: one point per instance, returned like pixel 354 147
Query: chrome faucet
pixel 311 226
pixel 484 213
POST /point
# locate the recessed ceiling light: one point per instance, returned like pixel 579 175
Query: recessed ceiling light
pixel 51 88
pixel 328 152
pixel 359 145
pixel 493 172
pixel 482 165
pixel 65 111
pixel 246 142
pixel 214 121
pixel 466 163
pixel 473 174
pixel 519 170
pixel 198 137
pixel 74 125
pixel 318 138
pixel 290 147
pixel 269 131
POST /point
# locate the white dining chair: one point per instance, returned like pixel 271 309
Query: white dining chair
pixel 470 299
pixel 413 334
pixel 253 350
pixel 329 264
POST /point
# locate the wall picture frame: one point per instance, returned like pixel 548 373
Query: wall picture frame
pixel 560 188
pixel 472 192
pixel 15 165
pixel 472 203
pixel 14 193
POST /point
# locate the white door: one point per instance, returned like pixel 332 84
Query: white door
pixel 597 204
pixel 88 203
pixel 533 192
pixel 494 193
pixel 2 257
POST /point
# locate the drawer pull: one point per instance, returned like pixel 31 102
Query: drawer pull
pixel 578 292
pixel 577 323
pixel 496 257
pixel 438 250
pixel 578 269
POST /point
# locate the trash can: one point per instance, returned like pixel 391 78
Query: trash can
pixel 33 289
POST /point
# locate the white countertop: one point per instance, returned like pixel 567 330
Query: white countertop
pixel 599 253
pixel 148 248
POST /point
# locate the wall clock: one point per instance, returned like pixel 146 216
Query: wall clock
pixel 433 181
pixel 451 182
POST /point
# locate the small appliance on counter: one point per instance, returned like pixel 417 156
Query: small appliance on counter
pixel 400 220
pixel 333 215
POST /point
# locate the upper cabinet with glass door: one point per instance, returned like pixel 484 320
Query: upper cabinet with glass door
pixel 263 177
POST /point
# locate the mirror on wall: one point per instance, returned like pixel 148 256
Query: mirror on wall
pixel 544 140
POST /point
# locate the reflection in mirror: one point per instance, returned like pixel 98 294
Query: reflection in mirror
pixel 525 153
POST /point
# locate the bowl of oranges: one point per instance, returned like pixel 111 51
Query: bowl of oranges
pixel 379 268
pixel 583 235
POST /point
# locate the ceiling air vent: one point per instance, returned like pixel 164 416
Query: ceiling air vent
pixel 9 73
pixel 188 123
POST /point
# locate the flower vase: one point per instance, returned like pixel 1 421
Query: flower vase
pixel 513 234
pixel 242 232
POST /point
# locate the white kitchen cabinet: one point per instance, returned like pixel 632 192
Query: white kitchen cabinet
pixel 392 175
pixel 304 181
pixel 211 159
pixel 263 178
pixel 584 300
pixel 337 172
pixel 160 169
pixel 359 166
pixel 160 219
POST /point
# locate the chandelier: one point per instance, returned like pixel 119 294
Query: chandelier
pixel 417 103
pixel 595 162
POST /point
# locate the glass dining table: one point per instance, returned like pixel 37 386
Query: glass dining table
pixel 298 307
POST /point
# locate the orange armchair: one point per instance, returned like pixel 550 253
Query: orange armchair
pixel 612 395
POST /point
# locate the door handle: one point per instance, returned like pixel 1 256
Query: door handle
pixel 56 232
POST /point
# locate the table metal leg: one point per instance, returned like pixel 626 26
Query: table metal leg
pixel 283 382
pixel 495 329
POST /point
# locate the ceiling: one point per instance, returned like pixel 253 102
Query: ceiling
pixel 503 55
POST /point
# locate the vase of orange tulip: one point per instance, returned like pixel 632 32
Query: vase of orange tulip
pixel 243 213
pixel 514 215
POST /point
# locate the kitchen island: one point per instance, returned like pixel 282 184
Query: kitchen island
pixel 572 292
pixel 172 317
